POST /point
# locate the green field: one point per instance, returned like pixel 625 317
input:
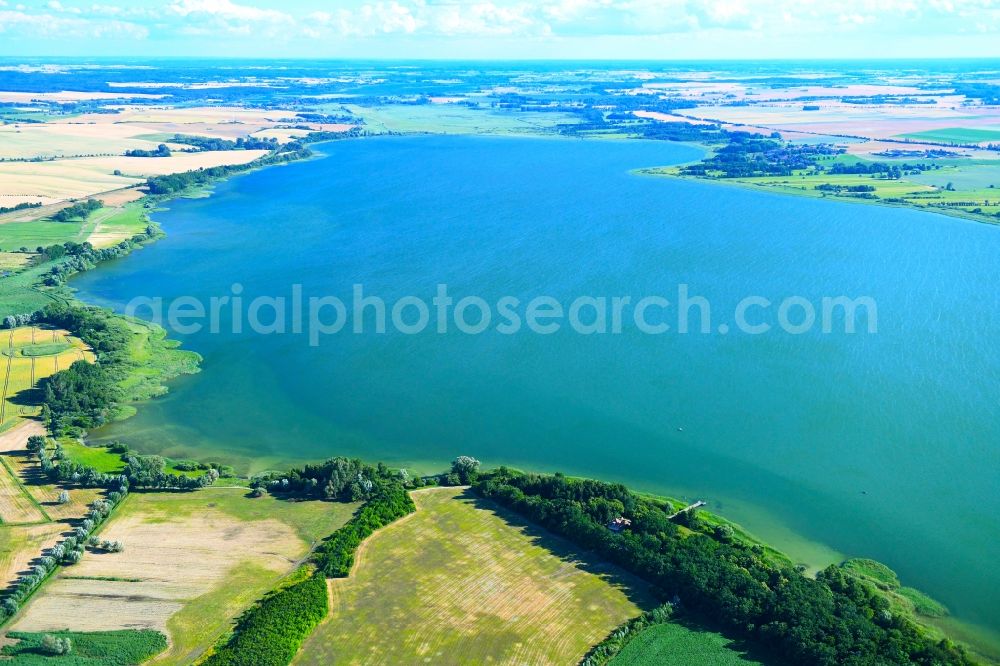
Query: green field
pixel 14 235
pixel 19 280
pixel 675 644
pixel 98 457
pixel 105 648
pixel 43 349
pixel 19 293
pixel 960 135
pixel 958 187
pixel 461 581
pixel 108 226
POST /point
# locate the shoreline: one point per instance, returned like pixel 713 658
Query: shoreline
pixel 208 191
pixel 954 213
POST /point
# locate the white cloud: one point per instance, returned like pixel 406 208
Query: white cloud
pixel 211 17
pixel 25 24
pixel 506 19
pixel 227 10
pixel 55 5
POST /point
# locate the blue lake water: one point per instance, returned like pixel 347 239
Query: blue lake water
pixel 883 445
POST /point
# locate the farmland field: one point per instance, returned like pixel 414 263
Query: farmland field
pixel 30 353
pixel 966 189
pixel 957 135
pixel 16 505
pixel 459 581
pixel 21 544
pixel 678 645
pixel 116 224
pixel 192 562
pixel 40 519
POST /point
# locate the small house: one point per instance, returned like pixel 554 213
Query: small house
pixel 619 523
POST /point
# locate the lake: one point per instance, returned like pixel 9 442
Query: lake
pixel 882 445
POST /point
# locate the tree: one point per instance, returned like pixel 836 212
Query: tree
pixel 724 533
pixel 63 497
pixel 36 444
pixel 56 645
pixel 466 467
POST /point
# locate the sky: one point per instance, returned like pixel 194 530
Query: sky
pixel 503 29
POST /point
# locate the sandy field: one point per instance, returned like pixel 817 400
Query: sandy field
pixel 868 147
pixel 70 96
pixel 70 139
pixel 283 135
pixel 668 118
pixel 873 121
pixel 58 180
pixel 119 197
pixel 200 114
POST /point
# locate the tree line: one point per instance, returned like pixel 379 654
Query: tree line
pixel 80 209
pixel 271 631
pixel 205 143
pixel 161 150
pixel 21 206
pixel 177 182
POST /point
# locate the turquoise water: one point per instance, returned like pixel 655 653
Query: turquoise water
pixel 884 445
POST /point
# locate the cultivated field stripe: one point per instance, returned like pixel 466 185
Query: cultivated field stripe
pixel 17 506
pixel 6 377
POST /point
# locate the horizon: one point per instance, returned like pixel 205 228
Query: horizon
pixel 443 59
pixel 493 29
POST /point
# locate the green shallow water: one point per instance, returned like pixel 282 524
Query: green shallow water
pixel 884 445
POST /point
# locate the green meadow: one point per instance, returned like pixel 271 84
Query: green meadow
pixel 675 644
pixel 959 135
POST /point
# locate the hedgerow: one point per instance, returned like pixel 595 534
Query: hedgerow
pixel 335 556
pixel 270 633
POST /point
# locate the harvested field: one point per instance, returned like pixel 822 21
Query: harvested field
pixel 461 581
pixel 16 505
pixel 72 178
pixel 68 96
pixel 668 118
pixel 20 545
pixel 192 562
pixel 70 139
